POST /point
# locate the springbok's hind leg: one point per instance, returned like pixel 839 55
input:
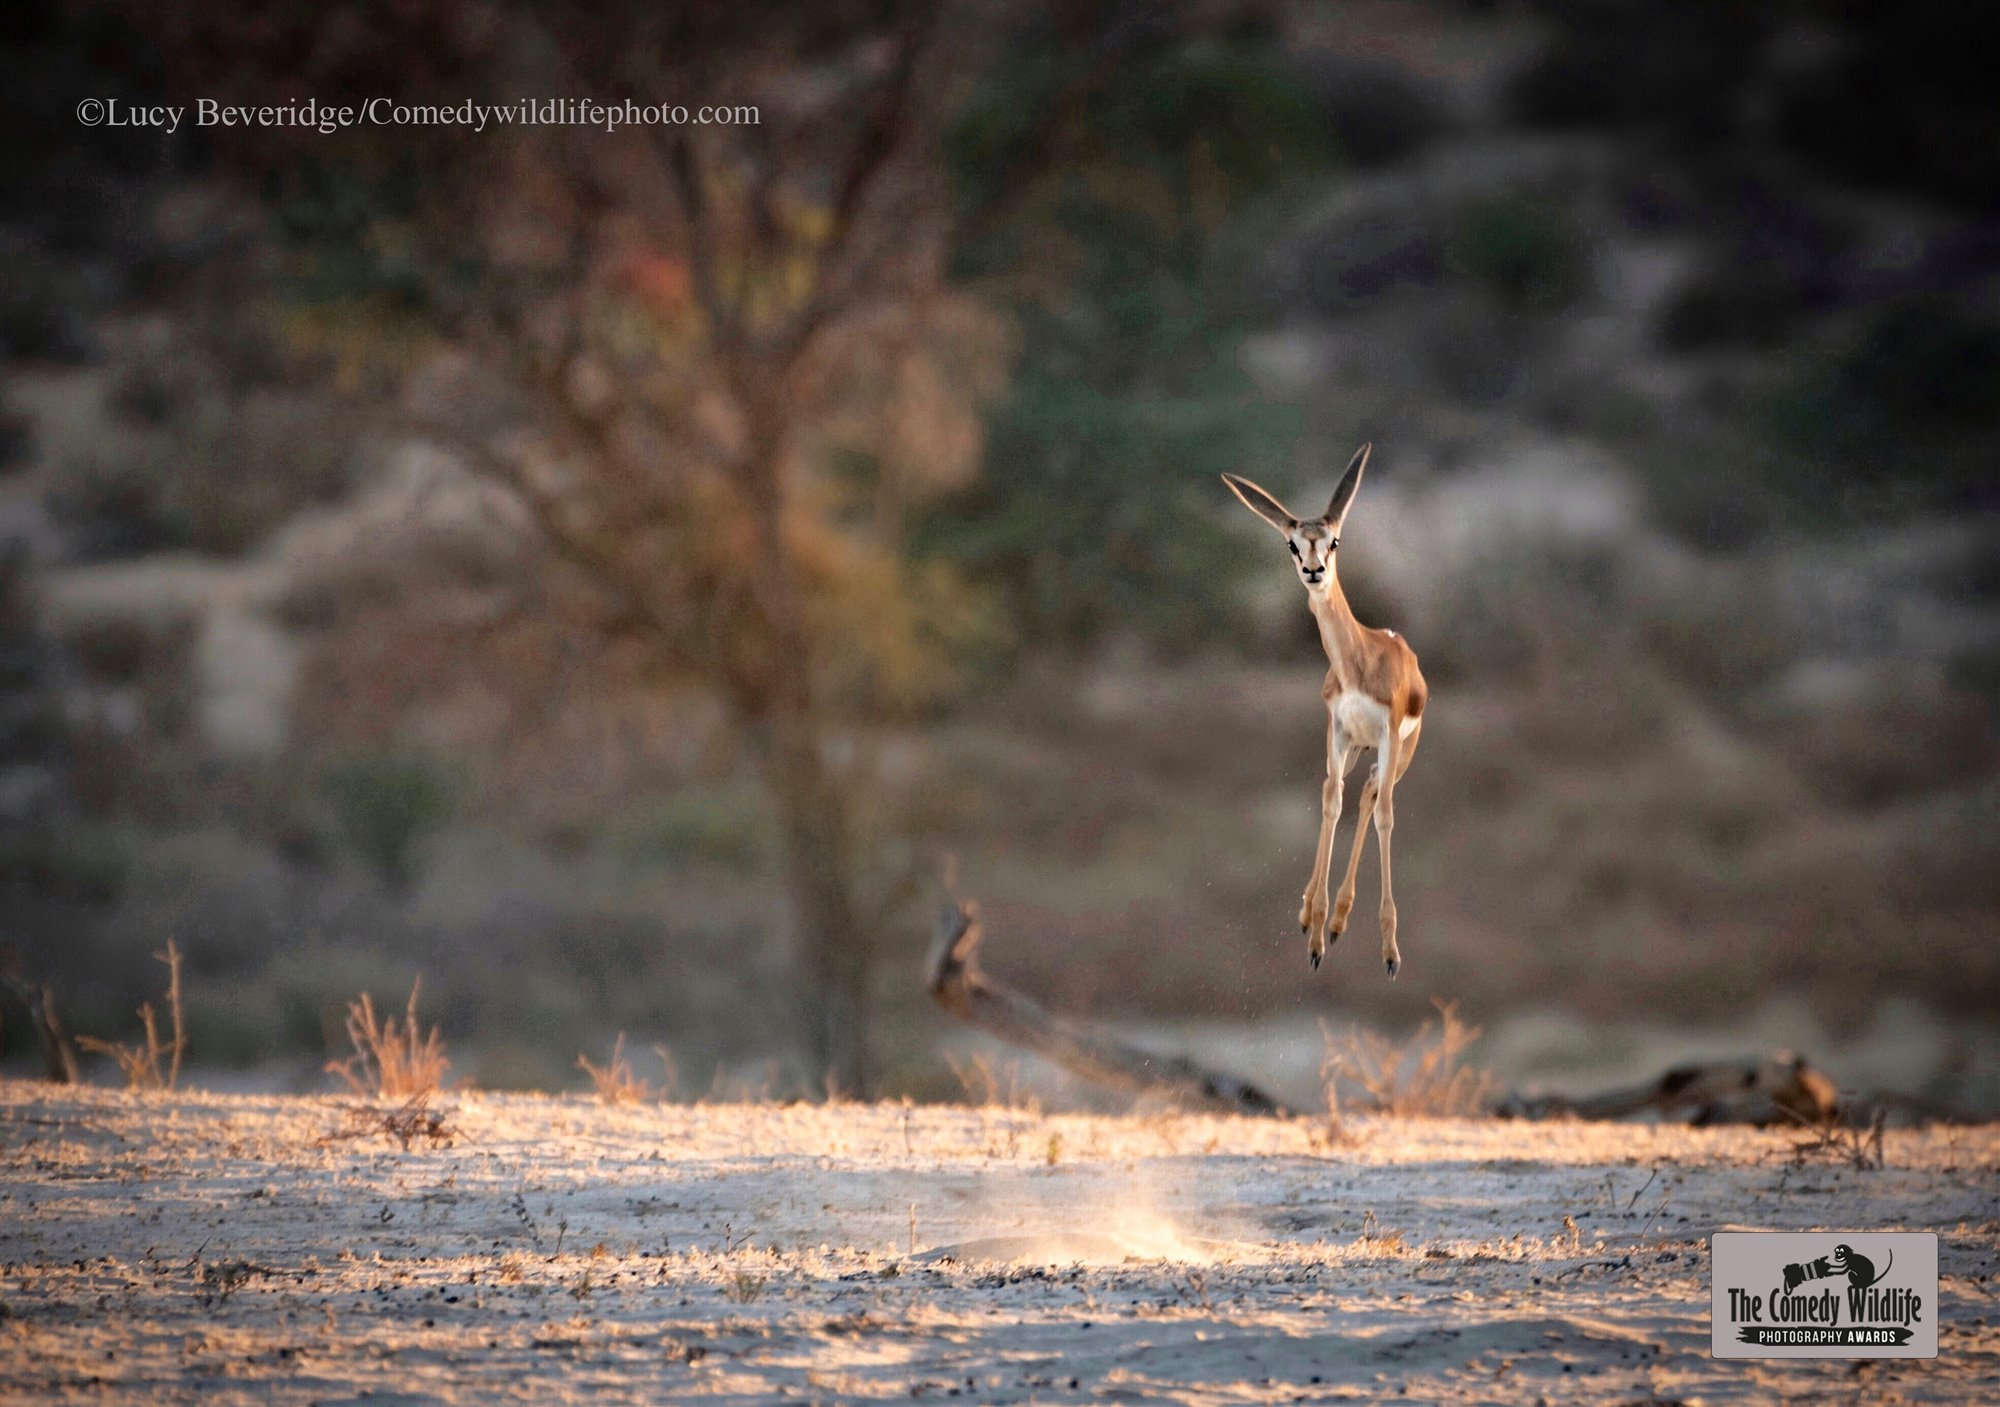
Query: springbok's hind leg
pixel 1312 911
pixel 1343 902
pixel 1395 760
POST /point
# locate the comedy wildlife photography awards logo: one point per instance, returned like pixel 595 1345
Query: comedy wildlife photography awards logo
pixel 1825 1294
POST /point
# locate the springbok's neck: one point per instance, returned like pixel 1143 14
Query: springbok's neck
pixel 1339 631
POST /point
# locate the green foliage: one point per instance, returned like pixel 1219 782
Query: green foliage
pixel 1380 112
pixel 1901 414
pixel 1741 303
pixel 1614 62
pixel 333 216
pixel 1928 123
pixel 387 802
pixel 1526 249
pixel 1096 509
pixel 1898 96
pixel 83 861
pixel 1211 124
pixel 729 827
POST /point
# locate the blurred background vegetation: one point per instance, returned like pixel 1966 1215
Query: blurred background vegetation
pixel 606 573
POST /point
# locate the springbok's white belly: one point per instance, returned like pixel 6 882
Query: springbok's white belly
pixel 1363 721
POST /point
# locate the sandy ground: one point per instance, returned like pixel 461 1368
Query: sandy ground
pixel 218 1249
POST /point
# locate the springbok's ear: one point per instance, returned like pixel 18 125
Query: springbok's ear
pixel 1262 504
pixel 1343 496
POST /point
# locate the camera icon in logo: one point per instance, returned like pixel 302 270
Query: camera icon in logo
pixel 1845 1260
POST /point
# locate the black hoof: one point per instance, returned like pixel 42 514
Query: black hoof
pixel 1315 960
pixel 1394 965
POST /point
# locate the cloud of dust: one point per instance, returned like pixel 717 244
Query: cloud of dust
pixel 1097 1217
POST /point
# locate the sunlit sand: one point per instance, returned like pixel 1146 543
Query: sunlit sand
pixel 159 1247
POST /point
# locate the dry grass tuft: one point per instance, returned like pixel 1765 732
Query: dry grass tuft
pixel 615 1081
pixel 413 1119
pixel 1336 1134
pixel 988 1085
pixel 1840 1139
pixel 141 1064
pixel 1376 1240
pixel 744 1288
pixel 220 1280
pixel 1191 1288
pixel 391 1060
pixel 1424 1076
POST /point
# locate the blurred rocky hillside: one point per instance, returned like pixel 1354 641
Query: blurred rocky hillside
pixel 1677 330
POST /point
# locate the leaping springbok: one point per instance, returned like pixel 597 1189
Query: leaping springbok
pixel 1374 699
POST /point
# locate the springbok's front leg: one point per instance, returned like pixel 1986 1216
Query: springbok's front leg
pixel 1312 912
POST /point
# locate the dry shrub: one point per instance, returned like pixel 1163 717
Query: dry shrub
pixel 988 1085
pixel 744 1288
pixel 141 1064
pixel 1377 1240
pixel 224 1278
pixel 1423 1076
pixel 1336 1134
pixel 615 1082
pixel 1842 1137
pixel 391 1060
pixel 406 1123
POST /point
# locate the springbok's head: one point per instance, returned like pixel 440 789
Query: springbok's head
pixel 1312 540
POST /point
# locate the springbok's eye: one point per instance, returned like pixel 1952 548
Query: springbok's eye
pixel 1295 548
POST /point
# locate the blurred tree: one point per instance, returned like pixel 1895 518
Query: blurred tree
pixel 732 362
pixel 752 368
pixel 386 803
pixel 1101 162
pixel 738 369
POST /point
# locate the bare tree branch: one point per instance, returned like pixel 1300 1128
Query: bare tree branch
pixel 887 131
pixel 684 164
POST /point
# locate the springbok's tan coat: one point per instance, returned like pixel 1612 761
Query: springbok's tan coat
pixel 1374 696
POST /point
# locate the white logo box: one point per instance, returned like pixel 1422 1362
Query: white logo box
pixel 1824 1294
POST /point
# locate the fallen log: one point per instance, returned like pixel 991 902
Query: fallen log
pixel 38 1002
pixel 953 977
pixel 1782 1090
